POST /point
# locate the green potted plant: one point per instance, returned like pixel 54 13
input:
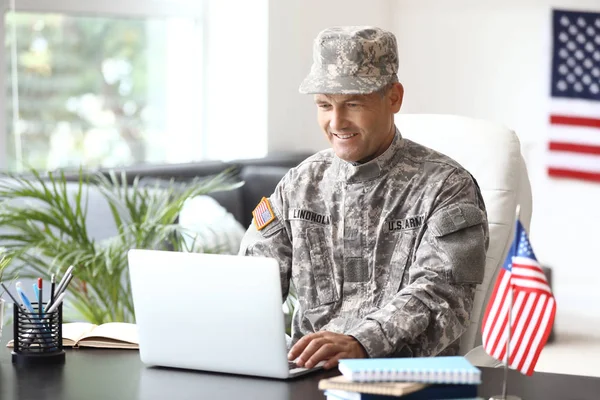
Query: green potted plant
pixel 44 231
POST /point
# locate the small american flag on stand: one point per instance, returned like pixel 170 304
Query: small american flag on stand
pixel 574 145
pixel 521 284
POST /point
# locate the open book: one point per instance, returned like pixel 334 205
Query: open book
pixel 112 335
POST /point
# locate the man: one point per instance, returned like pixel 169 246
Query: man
pixel 383 239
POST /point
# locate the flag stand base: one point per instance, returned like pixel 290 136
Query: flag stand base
pixel 507 397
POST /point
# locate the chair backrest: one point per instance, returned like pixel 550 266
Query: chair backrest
pixel 492 154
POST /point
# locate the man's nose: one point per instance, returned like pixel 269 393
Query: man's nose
pixel 339 120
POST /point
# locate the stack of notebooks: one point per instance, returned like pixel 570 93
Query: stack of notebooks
pixel 424 378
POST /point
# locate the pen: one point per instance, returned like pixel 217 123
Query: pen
pixel 40 297
pixel 52 284
pixel 36 291
pixel 62 282
pixel 64 288
pixel 12 297
pixel 24 298
pixel 59 300
pixel 62 285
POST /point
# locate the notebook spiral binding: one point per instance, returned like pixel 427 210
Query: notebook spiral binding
pixel 417 375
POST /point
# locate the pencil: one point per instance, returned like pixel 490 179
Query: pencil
pixel 52 285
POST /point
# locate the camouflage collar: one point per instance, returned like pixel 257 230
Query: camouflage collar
pixel 373 169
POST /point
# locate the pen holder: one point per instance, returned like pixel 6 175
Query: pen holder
pixel 37 337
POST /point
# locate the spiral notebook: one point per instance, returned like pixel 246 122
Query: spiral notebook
pixel 454 369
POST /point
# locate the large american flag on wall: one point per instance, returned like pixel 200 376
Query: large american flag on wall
pixel 521 292
pixel 574 148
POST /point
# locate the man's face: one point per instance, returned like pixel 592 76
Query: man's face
pixel 359 127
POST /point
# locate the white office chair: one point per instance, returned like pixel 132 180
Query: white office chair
pixel 492 154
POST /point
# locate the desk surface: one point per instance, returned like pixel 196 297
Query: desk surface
pixel 119 374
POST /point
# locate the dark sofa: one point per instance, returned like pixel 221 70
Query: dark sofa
pixel 260 176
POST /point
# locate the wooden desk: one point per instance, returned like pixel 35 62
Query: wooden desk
pixel 92 374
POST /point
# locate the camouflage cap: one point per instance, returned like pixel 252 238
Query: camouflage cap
pixel 352 60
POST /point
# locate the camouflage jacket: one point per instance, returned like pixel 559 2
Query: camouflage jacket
pixel 389 251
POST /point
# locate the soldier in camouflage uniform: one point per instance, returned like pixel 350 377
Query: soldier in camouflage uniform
pixel 383 239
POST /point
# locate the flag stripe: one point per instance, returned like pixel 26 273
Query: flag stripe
pixel 525 302
pixel 490 313
pixel 545 329
pixel 520 344
pixel 491 316
pixel 541 325
pixel 530 323
pixel 524 262
pixel 574 121
pixel 500 343
pixel 530 284
pixel 572 173
pixel 533 273
pixel 529 277
pixel 497 337
pixel 516 309
pixel 574 148
pixel 534 324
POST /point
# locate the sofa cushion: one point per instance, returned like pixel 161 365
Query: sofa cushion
pixel 209 227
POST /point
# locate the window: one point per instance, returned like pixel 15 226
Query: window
pixel 116 83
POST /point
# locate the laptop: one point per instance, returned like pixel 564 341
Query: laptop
pixel 210 312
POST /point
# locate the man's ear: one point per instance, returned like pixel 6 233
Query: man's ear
pixel 396 95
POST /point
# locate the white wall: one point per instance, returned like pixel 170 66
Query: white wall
pixel 293 24
pixel 491 61
pixel 236 74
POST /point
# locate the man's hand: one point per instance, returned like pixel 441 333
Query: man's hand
pixel 316 347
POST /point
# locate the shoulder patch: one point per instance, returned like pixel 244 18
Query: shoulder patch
pixel 263 214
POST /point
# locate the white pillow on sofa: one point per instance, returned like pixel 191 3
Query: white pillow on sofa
pixel 209 227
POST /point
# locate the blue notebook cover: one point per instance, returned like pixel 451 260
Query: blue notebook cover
pixel 455 369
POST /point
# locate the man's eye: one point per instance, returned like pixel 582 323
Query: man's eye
pixel 352 105
pixel 323 106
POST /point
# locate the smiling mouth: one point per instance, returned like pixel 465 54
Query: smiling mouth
pixel 342 136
